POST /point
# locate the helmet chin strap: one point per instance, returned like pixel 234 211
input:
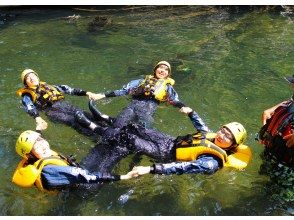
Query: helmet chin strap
pixel 233 146
pixel 39 131
pixel 31 156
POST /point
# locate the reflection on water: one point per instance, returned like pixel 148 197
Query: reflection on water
pixel 227 66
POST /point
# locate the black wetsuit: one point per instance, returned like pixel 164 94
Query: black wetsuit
pixel 142 108
pixel 116 143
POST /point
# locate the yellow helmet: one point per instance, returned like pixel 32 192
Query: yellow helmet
pixel 238 131
pixel 25 142
pixel 26 72
pixel 163 63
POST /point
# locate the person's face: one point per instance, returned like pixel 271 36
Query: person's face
pixel 32 80
pixel 161 72
pixel 224 138
pixel 41 148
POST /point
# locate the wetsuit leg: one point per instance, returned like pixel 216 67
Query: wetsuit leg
pixel 107 153
pixel 117 143
pixel 99 116
pixel 149 142
pixel 139 111
pixel 64 112
pixel 144 110
pixel 126 116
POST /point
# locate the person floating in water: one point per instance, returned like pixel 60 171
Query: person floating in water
pixel 147 94
pixel 277 137
pixel 205 155
pixel 39 96
pixel 48 170
pixel 203 152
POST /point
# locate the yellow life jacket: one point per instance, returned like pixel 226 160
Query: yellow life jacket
pixel 42 95
pixel 26 175
pixel 239 158
pixel 157 88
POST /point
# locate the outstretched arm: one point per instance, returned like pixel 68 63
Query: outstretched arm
pixel 205 165
pixel 71 91
pixel 173 97
pixel 31 109
pixel 54 176
pixel 125 90
pixel 78 92
pixel 195 119
pixel 267 114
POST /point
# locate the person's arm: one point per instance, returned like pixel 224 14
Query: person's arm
pixel 29 106
pixel 75 91
pixel 173 97
pixel 31 109
pixel 195 119
pixel 54 176
pixel 71 91
pixel 289 140
pixel 204 164
pixel 198 122
pixel 125 90
pixel 270 111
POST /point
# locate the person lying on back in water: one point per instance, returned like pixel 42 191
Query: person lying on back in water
pixel 48 170
pixel 147 94
pixel 39 96
pixel 203 152
pixel 194 154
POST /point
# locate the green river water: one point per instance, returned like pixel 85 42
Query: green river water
pixel 227 66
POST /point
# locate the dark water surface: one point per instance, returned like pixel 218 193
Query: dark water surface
pixel 227 66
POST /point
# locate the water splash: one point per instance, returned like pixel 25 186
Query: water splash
pixel 125 197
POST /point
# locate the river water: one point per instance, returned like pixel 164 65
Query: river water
pixel 227 66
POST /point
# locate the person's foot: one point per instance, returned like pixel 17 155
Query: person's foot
pixel 82 119
pixel 97 114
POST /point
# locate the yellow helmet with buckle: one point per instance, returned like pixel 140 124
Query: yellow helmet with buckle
pixel 25 142
pixel 163 63
pixel 238 131
pixel 26 72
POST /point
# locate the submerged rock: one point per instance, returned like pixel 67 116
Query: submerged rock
pixel 99 23
pixel 4 18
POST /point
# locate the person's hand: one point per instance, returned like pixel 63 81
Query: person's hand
pixel 186 110
pixel 289 140
pixel 141 170
pixel 41 124
pixel 129 175
pixel 135 172
pixel 266 115
pixel 94 96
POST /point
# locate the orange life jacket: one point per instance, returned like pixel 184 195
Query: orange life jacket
pixel 42 95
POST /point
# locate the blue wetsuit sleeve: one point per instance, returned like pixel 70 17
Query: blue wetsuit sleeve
pixel 29 106
pixel 204 164
pixel 71 91
pixel 54 176
pixel 126 90
pixel 173 97
pixel 198 122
